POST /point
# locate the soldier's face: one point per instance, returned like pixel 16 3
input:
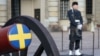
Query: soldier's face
pixel 75 7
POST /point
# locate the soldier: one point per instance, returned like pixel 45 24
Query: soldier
pixel 76 23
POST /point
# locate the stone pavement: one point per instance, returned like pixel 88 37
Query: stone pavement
pixel 87 43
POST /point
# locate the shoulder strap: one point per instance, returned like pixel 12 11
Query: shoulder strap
pixel 73 13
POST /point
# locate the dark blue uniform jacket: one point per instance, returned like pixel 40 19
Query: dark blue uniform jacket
pixel 74 15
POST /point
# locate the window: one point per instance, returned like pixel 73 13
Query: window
pixel 64 6
pixel 88 6
pixel 15 8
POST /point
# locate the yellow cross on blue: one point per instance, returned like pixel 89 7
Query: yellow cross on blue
pixel 19 36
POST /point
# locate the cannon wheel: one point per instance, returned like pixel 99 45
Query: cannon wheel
pixel 47 43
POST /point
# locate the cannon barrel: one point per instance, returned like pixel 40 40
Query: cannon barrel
pixel 14 37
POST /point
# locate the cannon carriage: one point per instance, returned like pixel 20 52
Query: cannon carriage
pixel 16 35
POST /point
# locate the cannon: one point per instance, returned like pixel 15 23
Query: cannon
pixel 14 37
pixel 26 23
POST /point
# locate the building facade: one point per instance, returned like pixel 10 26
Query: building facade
pixel 53 13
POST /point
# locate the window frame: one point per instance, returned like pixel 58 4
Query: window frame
pixel 64 7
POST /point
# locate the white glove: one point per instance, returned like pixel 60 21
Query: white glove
pixel 79 26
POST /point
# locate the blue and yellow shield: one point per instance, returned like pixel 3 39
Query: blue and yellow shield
pixel 19 36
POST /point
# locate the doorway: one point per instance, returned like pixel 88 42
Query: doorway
pixel 37 14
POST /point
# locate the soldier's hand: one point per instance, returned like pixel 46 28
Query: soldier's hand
pixel 79 26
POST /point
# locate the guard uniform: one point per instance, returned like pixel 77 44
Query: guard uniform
pixel 75 36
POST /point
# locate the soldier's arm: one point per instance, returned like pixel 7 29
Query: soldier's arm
pixel 81 19
pixel 71 19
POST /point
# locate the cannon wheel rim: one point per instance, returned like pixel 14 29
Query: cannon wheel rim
pixel 41 32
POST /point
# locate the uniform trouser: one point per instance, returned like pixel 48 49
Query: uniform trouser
pixel 77 44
